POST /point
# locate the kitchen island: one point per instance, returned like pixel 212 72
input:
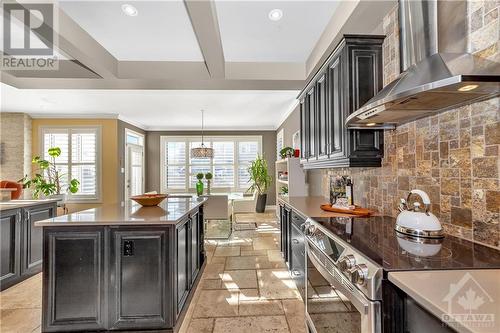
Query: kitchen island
pixel 121 267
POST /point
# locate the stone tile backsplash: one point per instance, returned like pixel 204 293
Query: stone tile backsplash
pixel 453 156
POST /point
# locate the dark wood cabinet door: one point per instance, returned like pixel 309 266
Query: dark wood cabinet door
pixel 75 298
pixel 10 235
pixel 182 269
pixel 33 237
pixel 139 260
pixel 336 115
pixel 297 262
pixel 312 124
pixel 194 248
pixel 365 74
pixel 323 115
pixel 304 131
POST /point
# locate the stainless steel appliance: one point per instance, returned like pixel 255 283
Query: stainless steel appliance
pixel 343 287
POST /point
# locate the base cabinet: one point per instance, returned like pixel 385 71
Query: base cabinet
pixel 10 243
pixel 292 245
pixel 21 242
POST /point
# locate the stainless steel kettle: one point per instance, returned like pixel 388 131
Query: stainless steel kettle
pixel 417 222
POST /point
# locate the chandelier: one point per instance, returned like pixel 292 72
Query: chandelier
pixel 202 151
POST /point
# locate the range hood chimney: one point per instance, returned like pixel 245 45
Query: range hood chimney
pixel 438 73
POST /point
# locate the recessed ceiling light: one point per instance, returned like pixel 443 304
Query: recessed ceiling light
pixel 275 14
pixel 468 87
pixel 129 10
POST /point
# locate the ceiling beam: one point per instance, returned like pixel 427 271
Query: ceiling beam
pixel 203 16
pixel 211 84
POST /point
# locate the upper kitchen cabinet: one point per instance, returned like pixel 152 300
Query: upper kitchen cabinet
pixel 347 80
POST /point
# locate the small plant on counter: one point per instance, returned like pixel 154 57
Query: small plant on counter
pixel 209 176
pixel 284 190
pixel 199 184
pixel 286 152
pixel 47 180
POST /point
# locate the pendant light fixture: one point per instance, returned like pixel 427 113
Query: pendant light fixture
pixel 202 151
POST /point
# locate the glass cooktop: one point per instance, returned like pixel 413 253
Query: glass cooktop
pixel 376 238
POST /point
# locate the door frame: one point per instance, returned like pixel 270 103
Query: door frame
pixel 126 160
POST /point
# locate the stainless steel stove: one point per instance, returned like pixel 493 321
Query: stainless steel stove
pixel 343 289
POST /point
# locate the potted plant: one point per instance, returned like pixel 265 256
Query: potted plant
pixel 199 184
pixel 209 176
pixel 261 180
pixel 47 180
pixel 287 152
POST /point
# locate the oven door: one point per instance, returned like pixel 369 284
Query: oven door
pixel 332 304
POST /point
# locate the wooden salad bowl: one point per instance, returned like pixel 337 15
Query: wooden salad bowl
pixel 148 200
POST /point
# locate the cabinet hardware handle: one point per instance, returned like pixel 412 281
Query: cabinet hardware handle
pixel 295 272
pixel 19 216
pixel 28 216
pixel 295 241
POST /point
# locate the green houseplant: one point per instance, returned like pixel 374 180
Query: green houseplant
pixel 48 179
pixel 209 176
pixel 286 152
pixel 199 184
pixel 261 180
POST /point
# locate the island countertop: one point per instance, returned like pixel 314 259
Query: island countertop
pixel 170 211
pixel 14 204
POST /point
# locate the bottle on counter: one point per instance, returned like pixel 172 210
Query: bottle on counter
pixel 349 192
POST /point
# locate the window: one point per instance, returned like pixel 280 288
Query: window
pixel 232 157
pixel 79 159
pixel 279 143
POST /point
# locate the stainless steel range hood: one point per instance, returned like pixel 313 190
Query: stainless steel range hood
pixel 438 72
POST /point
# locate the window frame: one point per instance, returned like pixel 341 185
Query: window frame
pixel 97 129
pixel 207 139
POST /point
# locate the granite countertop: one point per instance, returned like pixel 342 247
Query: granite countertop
pixel 310 206
pixel 464 295
pixel 13 204
pixel 170 211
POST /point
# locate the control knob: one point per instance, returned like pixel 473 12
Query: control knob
pixel 359 274
pixel 347 262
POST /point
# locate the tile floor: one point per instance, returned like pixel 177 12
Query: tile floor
pixel 245 288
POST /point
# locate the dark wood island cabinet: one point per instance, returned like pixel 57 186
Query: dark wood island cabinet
pixel 121 268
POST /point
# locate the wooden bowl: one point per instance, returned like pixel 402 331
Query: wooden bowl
pixel 148 200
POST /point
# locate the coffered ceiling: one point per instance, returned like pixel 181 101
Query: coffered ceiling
pixel 187 45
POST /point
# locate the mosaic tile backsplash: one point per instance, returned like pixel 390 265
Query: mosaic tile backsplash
pixel 453 156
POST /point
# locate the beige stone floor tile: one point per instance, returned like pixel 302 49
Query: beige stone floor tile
pixel 295 315
pixel 265 243
pixel 252 304
pixel 245 252
pixel 210 284
pixel 274 256
pixel 26 294
pixel 264 324
pixel 201 326
pixel 248 262
pixel 216 303
pixel 213 271
pixel 276 284
pixel 218 260
pixel 20 320
pixel 239 279
pixel 227 251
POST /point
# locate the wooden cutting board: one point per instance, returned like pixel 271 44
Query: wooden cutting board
pixel 358 211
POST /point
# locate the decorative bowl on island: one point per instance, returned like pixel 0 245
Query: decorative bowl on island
pixel 148 200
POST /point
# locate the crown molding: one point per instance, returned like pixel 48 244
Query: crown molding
pixel 74 115
pixel 287 114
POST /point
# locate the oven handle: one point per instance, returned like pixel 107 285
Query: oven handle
pixel 360 302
